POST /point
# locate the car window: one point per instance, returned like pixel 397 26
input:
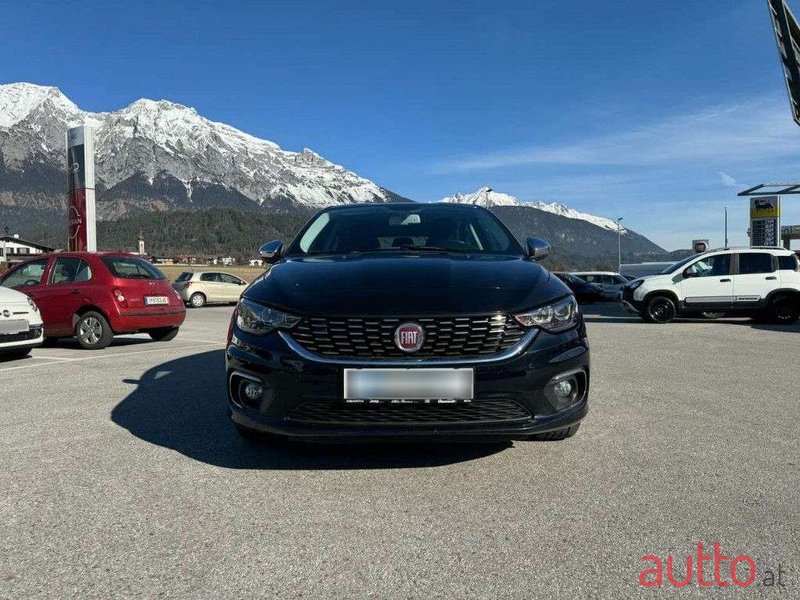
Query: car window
pixel 386 228
pixel 185 276
pixel 589 278
pixel 677 265
pixel 70 270
pixel 230 279
pixel 130 267
pixel 619 279
pixel 26 275
pixel 712 266
pixel 209 277
pixel 755 262
pixel 787 263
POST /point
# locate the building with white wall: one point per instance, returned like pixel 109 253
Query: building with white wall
pixel 14 249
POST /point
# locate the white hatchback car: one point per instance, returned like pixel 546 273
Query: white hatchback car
pixel 21 325
pixel 208 287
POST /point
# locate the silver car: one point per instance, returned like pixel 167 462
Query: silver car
pixel 208 287
pixel 610 282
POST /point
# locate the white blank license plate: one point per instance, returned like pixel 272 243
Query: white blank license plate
pixel 12 327
pixel 152 300
pixel 408 384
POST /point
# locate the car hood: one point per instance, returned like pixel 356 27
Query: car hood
pixel 9 296
pixel 405 285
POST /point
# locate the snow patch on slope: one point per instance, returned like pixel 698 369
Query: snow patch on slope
pixel 487 197
pixel 157 137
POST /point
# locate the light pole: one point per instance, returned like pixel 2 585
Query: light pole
pixel 3 257
pixel 726 226
pixel 619 244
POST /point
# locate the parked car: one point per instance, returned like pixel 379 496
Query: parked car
pixel 208 287
pixel 611 283
pixel 20 324
pixel 95 295
pixel 763 283
pixel 407 321
pixel 584 293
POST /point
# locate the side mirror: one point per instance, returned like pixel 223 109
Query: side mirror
pixel 688 273
pixel 537 249
pixel 272 251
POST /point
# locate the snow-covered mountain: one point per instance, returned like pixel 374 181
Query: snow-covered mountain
pixel 488 198
pixel 159 155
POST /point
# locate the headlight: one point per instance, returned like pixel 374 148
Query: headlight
pixel 258 319
pixel 32 304
pixel 558 316
pixel 636 283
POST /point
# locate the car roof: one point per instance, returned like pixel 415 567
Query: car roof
pixel 593 273
pixel 400 206
pixel 772 249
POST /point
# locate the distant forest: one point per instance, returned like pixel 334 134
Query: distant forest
pixel 230 232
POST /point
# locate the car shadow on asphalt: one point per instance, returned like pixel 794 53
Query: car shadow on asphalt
pixel 71 343
pixel 181 404
pixel 611 312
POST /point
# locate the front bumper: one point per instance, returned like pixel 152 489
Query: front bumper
pixel 303 398
pixel 628 302
pixel 27 339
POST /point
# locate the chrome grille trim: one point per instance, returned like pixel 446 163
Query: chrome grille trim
pixel 411 360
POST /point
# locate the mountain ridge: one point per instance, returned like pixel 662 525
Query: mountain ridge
pixel 159 139
pixel 157 156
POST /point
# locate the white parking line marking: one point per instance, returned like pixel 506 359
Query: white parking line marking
pixel 115 354
pixel 220 342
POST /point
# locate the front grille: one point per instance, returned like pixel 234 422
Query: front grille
pixel 31 334
pixel 331 413
pixel 374 337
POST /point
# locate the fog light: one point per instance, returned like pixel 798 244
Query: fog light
pixel 253 391
pixel 563 389
pixel 566 389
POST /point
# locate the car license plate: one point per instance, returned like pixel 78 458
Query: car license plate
pixel 12 327
pixel 408 384
pixel 154 300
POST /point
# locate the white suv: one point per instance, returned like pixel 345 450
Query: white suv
pixel 763 283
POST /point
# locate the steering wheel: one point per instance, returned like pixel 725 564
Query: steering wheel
pixel 31 282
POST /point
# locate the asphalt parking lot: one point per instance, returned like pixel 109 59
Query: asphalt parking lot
pixel 123 477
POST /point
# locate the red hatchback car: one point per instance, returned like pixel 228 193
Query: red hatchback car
pixel 95 295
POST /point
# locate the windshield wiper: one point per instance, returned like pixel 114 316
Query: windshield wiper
pixel 432 249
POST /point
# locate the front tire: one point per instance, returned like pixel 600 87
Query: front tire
pixel 784 310
pixel 660 309
pixel 197 300
pixel 557 435
pixel 163 334
pixel 93 331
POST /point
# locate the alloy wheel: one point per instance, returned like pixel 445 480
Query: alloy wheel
pixel 90 330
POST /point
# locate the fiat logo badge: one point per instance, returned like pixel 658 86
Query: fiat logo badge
pixel 409 337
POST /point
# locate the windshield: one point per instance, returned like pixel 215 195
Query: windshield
pixel 129 267
pixel 423 228
pixel 677 265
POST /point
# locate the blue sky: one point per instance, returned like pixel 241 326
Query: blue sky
pixel 655 111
